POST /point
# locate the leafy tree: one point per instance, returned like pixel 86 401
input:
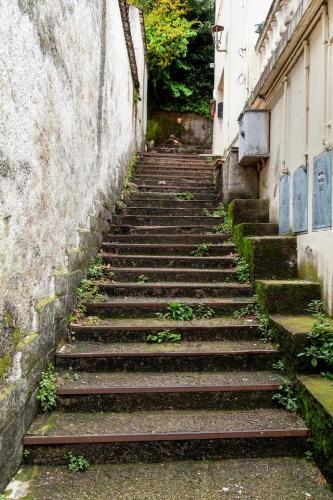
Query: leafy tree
pixel 179 51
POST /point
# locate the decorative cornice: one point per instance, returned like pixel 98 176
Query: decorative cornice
pixel 129 42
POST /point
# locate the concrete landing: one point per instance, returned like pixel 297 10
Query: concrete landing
pixel 250 479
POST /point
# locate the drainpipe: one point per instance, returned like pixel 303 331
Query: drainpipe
pixel 327 123
pixel 306 98
pixel 285 170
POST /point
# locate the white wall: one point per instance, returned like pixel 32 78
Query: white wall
pixel 239 18
pixel 68 128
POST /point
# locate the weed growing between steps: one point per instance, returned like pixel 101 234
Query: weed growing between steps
pixel 120 206
pixel 252 311
pixel 227 225
pixel 76 463
pixel 202 250
pixel 219 212
pixel 182 312
pixel 47 390
pixel 320 349
pixel 25 454
pixel 88 291
pixel 129 186
pixel 142 278
pixel 286 396
pixel 170 336
pixel 184 196
pixel 242 270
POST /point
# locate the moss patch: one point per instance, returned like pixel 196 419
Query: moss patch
pixel 248 211
pixel 315 398
pixel 5 362
pixel 41 304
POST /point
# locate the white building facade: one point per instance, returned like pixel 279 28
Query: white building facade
pixel 278 60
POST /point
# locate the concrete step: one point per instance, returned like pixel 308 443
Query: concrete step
pixel 134 391
pixel 177 274
pixel 137 329
pixel 202 191
pixel 170 196
pixel 159 220
pixel 168 203
pixel 246 478
pixel 161 172
pixel 164 212
pixel 143 306
pixel 158 435
pixel 184 229
pixel 167 239
pixel 175 290
pixel 165 249
pixel 184 356
pixel 179 184
pixel 171 261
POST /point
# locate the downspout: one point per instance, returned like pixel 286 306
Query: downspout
pixel 306 99
pixel 285 170
pixel 327 123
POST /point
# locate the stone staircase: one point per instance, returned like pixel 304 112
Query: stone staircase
pixel 210 396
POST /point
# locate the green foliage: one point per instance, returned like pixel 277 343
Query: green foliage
pixel 204 312
pixel 320 338
pixel 227 225
pixel 177 312
pixel 25 454
pixel 184 196
pixel 287 397
pixel 71 318
pixel 136 96
pixel 280 366
pixel 248 311
pixel 202 250
pixel 260 27
pixel 86 293
pixel 120 206
pixel 76 463
pixel 309 455
pixel 47 390
pixel 98 269
pixel 179 51
pixel 142 278
pixel 164 336
pixel 242 270
pixel 92 320
pixel 129 186
pixel 219 212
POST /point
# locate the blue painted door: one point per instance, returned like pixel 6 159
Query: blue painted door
pixel 322 191
pixel 284 205
pixel 300 200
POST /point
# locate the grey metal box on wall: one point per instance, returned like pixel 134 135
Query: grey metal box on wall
pixel 322 191
pixel 300 200
pixel 253 136
pixel 284 205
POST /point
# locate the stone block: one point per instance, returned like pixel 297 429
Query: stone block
pixel 286 297
pixel 248 211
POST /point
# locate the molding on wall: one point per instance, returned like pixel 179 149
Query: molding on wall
pixel 129 42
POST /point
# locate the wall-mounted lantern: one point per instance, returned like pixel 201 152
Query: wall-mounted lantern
pixel 217 31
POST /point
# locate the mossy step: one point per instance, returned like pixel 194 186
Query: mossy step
pixel 315 401
pixel 157 435
pixel 165 249
pixel 157 391
pixel 188 480
pixel 270 257
pixel 137 329
pixel 129 306
pixel 171 261
pixel 177 274
pixel 184 356
pixel 158 238
pixel 160 220
pixel 248 211
pixel 287 296
pixel 165 196
pixel 176 289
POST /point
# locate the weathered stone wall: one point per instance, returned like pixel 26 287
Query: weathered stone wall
pixel 188 128
pixel 70 122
